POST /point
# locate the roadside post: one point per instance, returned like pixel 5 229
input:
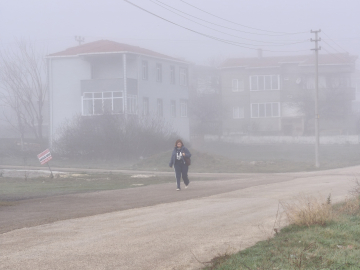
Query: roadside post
pixel 45 157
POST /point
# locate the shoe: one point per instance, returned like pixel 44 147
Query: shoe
pixel 187 185
pixel 178 189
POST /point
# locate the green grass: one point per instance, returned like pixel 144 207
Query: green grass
pixel 13 189
pixel 213 163
pixel 333 246
pixel 300 156
pixel 211 157
pixel 226 157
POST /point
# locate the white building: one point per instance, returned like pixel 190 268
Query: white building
pixel 110 77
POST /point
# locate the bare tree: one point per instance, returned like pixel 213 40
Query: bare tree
pixel 334 105
pixel 205 113
pixel 204 100
pixel 24 86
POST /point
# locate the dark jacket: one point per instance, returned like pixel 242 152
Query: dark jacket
pixel 173 155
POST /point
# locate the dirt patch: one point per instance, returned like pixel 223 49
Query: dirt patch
pixel 50 208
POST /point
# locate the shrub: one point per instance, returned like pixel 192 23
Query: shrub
pixel 356 189
pixel 351 205
pixel 308 210
pixel 113 136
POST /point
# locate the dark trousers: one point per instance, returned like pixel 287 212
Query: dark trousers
pixel 181 169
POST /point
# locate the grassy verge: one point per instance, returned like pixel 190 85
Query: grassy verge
pixel 14 189
pixel 228 157
pixel 214 163
pixel 211 157
pixel 286 157
pixel 331 241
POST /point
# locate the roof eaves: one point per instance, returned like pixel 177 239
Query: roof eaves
pixel 119 52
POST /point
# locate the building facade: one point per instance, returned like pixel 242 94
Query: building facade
pixel 204 97
pixel 275 95
pixel 109 77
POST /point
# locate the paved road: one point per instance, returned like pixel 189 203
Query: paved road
pixel 155 227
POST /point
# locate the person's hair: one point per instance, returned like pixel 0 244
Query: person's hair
pixel 179 141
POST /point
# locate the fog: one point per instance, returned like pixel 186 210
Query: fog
pixel 55 23
pixel 246 103
pixel 210 39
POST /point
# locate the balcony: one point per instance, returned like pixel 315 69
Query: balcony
pixel 108 85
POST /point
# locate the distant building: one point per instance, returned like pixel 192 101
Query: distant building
pixel 205 80
pixel 274 95
pixel 356 102
pixel 204 101
pixel 110 77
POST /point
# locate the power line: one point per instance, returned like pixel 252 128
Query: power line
pixel 205 35
pixel 339 57
pixel 346 38
pixel 340 54
pixel 280 33
pixel 331 46
pixel 214 23
pixel 335 42
pixel 276 44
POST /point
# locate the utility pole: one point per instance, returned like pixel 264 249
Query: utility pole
pixel 317 140
pixel 125 95
pixel 79 39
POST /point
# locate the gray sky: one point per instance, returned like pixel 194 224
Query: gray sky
pixel 55 23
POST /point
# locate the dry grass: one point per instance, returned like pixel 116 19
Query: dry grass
pixel 331 243
pixel 308 210
pixel 356 189
pixel 351 204
pixel 7 203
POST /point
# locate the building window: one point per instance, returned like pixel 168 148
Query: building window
pixel 160 110
pixel 146 110
pixel 264 82
pixel 264 110
pixel 183 108
pixel 158 72
pixel 172 74
pixel 131 104
pixel 235 85
pixel 183 76
pixel 145 70
pixel 102 102
pixel 238 112
pixel 173 108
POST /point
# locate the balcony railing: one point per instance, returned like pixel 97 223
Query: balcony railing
pixel 107 85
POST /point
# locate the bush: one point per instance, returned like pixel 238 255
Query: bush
pixel 351 205
pixel 113 136
pixel 308 210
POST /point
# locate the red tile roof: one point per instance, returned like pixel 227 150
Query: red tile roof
pixel 324 59
pixel 107 46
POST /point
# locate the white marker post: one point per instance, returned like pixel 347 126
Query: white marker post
pixel 45 157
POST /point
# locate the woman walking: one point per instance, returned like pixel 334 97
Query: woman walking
pixel 180 158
